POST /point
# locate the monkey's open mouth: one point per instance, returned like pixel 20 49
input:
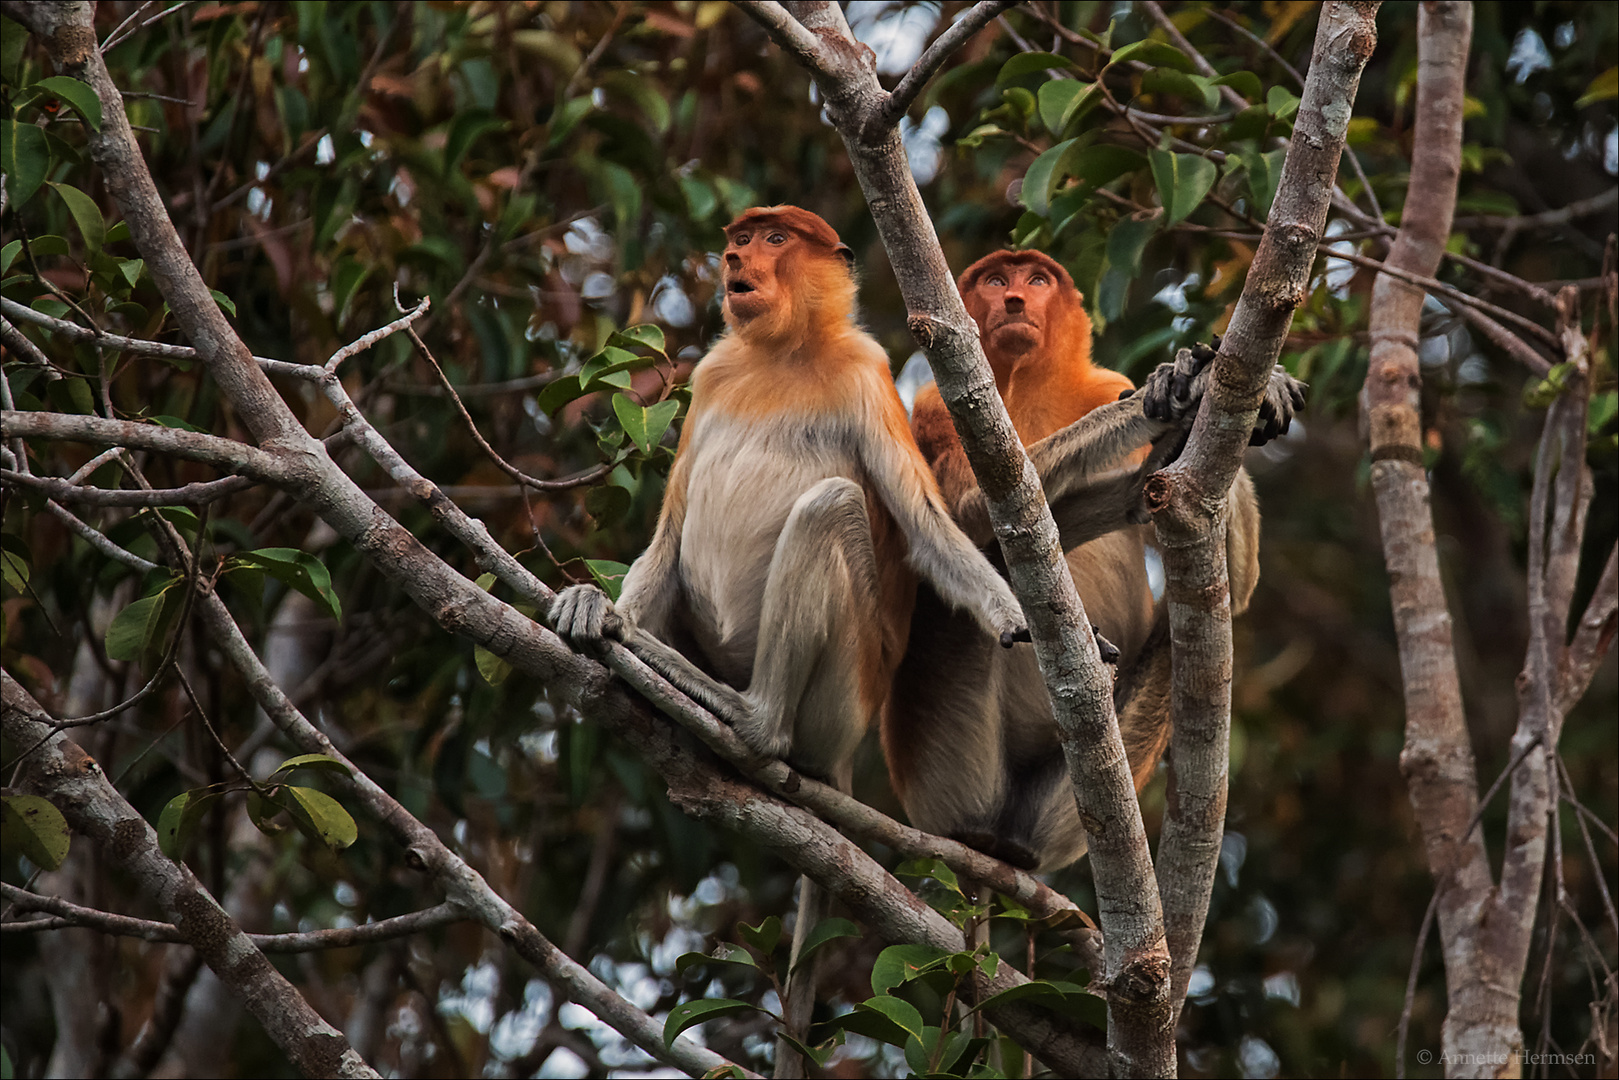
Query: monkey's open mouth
pixel 738 287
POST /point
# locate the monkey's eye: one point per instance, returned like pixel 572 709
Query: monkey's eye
pixel 741 239
pixel 1038 279
pixel 995 281
pixel 777 238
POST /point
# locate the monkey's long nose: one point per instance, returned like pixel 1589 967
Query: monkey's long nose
pixel 733 260
pixel 1014 304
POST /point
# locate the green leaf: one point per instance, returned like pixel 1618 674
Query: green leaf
pixel 25 158
pixel 901 963
pixel 690 1013
pixel 138 626
pixel 296 569
pixel 700 197
pixel 644 424
pixel 325 815
pixel 1245 83
pixel 607 504
pixel 930 868
pixel 1045 172
pixel 1126 243
pixel 819 1054
pixel 1264 176
pixel 609 361
pixel 318 762
pixel 223 301
pixel 8 253
pixel 49 244
pixel 724 953
pixel 1059 101
pixel 1281 103
pixel 1024 64
pixel 899 1012
pixel 1104 163
pixel 35 829
pixel 824 931
pixel 1183 180
pixel 14 560
pixel 1163 80
pixel 1604 87
pixel 86 214
pixel 464 131
pixel 347 276
pixel 178 822
pixel 608 574
pixel 646 335
pixel 75 93
pixel 558 393
pixel 764 937
pixel 1153 53
pixel 493 669
pixel 646 97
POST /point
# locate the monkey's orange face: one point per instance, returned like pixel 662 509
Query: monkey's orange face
pixel 753 260
pixel 1015 305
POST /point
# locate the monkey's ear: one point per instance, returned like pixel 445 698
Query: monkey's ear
pixel 847 252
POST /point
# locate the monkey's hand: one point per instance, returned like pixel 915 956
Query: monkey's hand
pixel 1174 390
pixel 584 618
pixel 1283 397
pixel 1013 627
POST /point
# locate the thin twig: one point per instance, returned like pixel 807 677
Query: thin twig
pixel 501 463
pixel 944 46
pixel 66 914
pixel 196 494
pixel 1411 986
pixel 114 42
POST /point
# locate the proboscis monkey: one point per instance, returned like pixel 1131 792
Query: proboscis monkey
pixel 969 734
pixel 797 512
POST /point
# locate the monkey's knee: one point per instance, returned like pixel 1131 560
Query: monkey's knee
pixel 835 506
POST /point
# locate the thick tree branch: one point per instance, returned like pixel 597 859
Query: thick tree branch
pixel 67 776
pixel 1189 500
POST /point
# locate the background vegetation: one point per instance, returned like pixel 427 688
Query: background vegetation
pixel 550 173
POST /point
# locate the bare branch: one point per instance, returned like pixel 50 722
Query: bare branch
pixel 64 914
pixel 188 495
pixel 968 24
pixel 78 787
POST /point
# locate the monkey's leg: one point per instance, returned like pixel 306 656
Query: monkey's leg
pixel 814 687
pixel 813 692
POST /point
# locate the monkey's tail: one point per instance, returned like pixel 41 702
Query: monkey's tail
pixel 1141 698
pixel 799 989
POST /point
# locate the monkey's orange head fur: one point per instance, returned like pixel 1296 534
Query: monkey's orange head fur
pixel 786 274
pixel 1027 310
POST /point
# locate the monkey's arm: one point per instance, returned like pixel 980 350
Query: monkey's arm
pixel 939 551
pixel 583 616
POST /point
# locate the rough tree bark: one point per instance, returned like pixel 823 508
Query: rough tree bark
pixel 1485 929
pixel 1188 500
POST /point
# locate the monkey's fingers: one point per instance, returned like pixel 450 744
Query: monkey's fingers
pixel 1011 637
pixel 1110 652
pixel 580 615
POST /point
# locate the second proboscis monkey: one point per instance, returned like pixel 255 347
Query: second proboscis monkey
pixel 969 734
